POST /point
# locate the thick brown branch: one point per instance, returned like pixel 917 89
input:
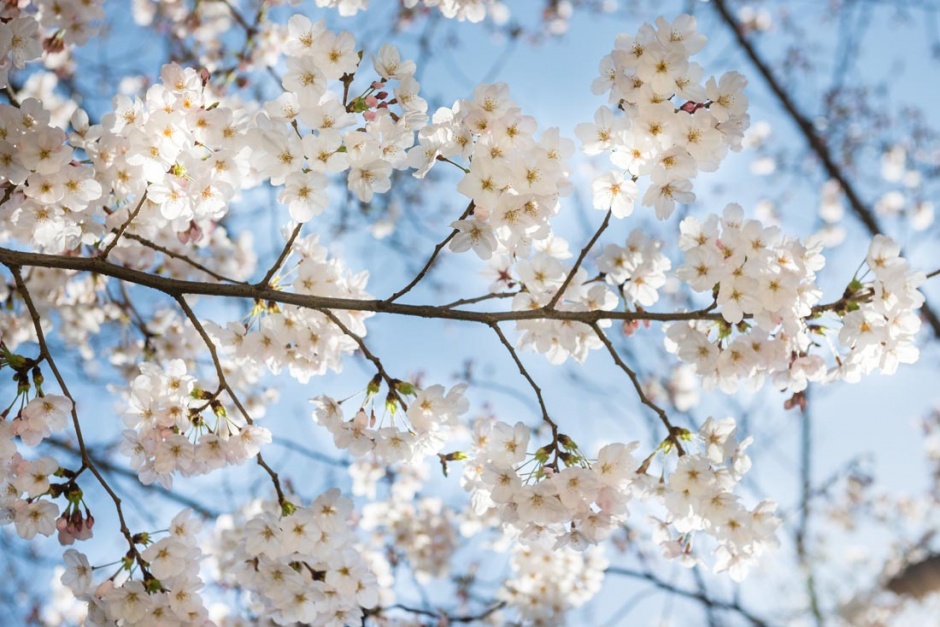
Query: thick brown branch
pixel 178 287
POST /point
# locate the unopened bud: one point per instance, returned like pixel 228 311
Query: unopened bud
pixel 405 387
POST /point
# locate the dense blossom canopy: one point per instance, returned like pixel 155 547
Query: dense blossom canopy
pixel 148 195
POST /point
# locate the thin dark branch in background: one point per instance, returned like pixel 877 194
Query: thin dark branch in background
pixel 732 606
pixel 806 490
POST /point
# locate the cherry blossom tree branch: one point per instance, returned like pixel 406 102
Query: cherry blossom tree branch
pixel 187 260
pixel 816 143
pixel 389 381
pixel 525 373
pixel 176 287
pixel 674 432
pixel 220 373
pixel 123 227
pixel 281 257
pixel 437 250
pixel 577 264
pixel 87 462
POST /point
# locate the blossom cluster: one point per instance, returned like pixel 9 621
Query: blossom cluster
pixel 546 584
pixel 698 496
pixel 300 565
pixel 167 594
pixel 431 414
pixel 582 503
pixel 174 161
pixel 638 269
pixel 26 500
pixel 880 325
pixel 304 341
pixel 27 29
pixel 513 179
pixel 370 153
pixel 764 285
pixel 675 126
pixel 168 432
pixel 752 271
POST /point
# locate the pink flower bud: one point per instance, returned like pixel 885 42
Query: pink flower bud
pixel 378 85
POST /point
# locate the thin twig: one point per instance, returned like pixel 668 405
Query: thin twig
pixel 281 257
pixel 220 373
pixel 525 373
pixel 733 606
pixel 87 462
pixel 123 227
pixel 478 299
pixel 577 264
pixel 673 431
pixel 427 266
pixel 391 382
pixel 175 255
